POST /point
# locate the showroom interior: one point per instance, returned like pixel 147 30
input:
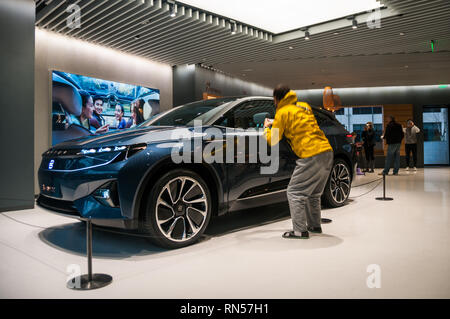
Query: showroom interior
pixel 358 61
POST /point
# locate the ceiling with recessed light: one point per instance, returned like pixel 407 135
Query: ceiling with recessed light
pixel 395 51
pixel 284 15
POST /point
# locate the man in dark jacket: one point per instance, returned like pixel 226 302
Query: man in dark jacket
pixel 393 137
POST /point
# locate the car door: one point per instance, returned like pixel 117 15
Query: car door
pixel 244 126
pixel 287 157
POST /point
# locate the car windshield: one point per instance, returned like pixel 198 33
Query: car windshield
pixel 186 115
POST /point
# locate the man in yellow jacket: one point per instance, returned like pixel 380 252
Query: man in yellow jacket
pixel 295 120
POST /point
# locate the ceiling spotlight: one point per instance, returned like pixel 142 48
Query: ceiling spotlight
pixel 354 24
pixel 291 48
pixel 172 9
pixel 233 27
pixel 307 35
pixel 401 33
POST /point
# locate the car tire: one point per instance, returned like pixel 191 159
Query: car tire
pixel 178 210
pixel 337 189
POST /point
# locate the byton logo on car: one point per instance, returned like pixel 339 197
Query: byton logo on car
pixel 50 164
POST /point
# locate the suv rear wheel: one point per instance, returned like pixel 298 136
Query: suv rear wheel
pixel 338 185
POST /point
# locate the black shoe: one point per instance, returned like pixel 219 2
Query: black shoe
pixel 292 235
pixel 317 230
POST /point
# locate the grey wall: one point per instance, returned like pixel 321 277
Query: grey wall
pixel 191 81
pixel 55 52
pixel 418 96
pixel 17 104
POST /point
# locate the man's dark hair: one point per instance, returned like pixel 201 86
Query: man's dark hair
pixel 280 91
pixel 392 118
pixel 98 97
pixel 84 97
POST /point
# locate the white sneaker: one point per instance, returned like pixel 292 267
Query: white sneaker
pixel 415 168
pixel 407 168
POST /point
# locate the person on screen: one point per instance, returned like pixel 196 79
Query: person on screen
pixel 87 112
pixel 97 119
pixel 137 114
pixel 119 113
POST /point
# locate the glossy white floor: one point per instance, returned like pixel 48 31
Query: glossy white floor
pixel 244 256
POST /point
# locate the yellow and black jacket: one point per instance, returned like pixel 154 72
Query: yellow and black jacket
pixel 295 120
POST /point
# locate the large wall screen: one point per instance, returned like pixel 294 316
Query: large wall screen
pixel 83 105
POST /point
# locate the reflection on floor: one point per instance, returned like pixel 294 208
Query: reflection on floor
pixel 243 255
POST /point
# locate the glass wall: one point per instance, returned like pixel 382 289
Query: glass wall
pixel 355 118
pixel 435 135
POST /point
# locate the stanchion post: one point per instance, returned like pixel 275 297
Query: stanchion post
pixel 89 281
pixel 89 247
pixel 384 191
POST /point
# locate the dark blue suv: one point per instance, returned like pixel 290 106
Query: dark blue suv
pixel 129 179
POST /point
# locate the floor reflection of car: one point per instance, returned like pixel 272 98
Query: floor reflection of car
pixel 129 180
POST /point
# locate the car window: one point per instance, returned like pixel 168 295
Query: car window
pixel 188 113
pixel 250 114
pixel 322 119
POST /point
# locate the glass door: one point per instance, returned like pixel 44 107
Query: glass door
pixel 435 134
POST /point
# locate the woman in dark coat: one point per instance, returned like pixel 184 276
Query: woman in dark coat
pixel 368 137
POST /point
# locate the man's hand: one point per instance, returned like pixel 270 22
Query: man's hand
pixel 267 122
pixel 103 129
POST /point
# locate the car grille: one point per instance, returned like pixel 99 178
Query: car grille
pixel 61 206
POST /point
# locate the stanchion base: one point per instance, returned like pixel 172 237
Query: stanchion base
pixel 98 281
pixel 384 198
pixel 325 221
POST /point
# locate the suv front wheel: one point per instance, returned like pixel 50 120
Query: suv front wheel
pixel 178 210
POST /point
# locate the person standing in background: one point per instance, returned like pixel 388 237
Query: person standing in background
pixel 411 132
pixel 393 136
pixel 368 137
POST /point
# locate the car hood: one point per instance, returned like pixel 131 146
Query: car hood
pixel 152 134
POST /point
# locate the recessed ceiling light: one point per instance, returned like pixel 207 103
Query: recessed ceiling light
pixel 300 14
pixel 336 33
pixel 291 48
pixel 401 33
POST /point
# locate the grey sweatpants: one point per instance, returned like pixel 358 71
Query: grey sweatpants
pixel 305 189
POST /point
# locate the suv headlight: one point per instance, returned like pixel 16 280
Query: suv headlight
pixel 76 159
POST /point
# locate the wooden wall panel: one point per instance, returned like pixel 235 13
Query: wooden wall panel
pixel 401 112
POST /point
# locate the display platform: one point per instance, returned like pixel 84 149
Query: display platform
pixel 243 255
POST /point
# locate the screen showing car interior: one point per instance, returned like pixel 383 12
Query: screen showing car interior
pixel 83 105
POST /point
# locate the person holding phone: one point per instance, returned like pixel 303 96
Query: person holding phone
pixel 296 121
